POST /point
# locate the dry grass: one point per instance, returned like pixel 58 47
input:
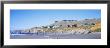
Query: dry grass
pixel 96 27
pixel 93 28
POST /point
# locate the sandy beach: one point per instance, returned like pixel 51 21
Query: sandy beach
pixel 93 35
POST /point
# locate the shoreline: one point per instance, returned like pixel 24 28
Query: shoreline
pixel 93 35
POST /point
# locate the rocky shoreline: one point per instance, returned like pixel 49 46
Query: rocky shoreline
pixel 65 29
pixel 49 35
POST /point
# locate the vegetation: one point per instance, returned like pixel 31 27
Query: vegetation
pixel 96 27
pixel 98 30
pixel 70 25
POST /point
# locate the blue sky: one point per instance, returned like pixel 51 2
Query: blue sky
pixel 24 19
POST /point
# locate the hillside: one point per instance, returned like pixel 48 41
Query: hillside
pixel 85 25
pixel 97 27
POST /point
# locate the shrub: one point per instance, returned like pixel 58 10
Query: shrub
pixel 98 30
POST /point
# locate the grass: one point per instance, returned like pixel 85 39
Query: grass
pixel 97 30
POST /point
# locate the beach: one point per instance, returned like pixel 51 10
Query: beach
pixel 49 35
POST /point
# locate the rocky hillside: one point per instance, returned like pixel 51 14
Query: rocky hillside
pixel 97 27
pixel 93 25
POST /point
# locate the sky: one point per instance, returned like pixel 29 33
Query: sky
pixel 24 19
